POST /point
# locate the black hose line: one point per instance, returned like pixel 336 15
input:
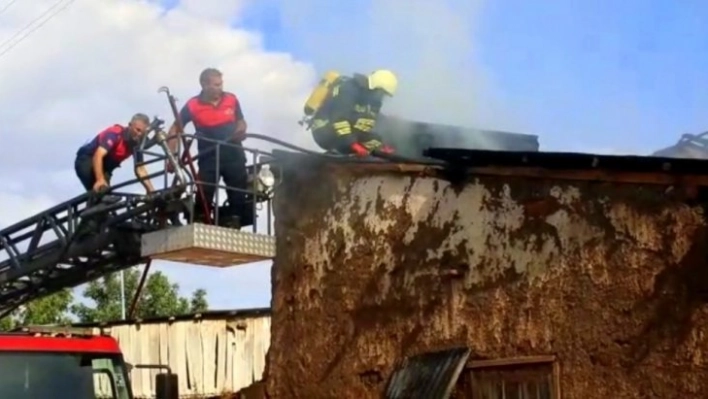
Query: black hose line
pixel 386 157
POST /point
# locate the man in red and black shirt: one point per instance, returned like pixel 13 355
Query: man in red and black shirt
pixel 217 115
pixel 97 159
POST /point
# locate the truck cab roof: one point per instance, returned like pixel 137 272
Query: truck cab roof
pixel 57 339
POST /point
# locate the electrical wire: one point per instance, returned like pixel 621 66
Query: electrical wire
pixel 7 5
pixel 52 12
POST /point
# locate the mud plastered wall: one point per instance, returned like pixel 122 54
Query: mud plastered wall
pixel 374 266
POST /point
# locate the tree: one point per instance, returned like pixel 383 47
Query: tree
pixel 199 303
pixel 160 297
pixel 52 309
pixel 7 323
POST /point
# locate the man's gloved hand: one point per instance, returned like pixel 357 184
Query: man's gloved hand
pixel 378 146
pixel 372 144
pixel 386 149
pixel 359 150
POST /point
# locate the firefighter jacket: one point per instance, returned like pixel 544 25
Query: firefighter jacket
pixel 351 108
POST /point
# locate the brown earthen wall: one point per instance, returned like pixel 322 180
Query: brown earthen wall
pixel 374 266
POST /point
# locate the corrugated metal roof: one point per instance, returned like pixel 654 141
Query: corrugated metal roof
pixel 427 376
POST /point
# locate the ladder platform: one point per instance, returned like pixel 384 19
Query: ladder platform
pixel 207 245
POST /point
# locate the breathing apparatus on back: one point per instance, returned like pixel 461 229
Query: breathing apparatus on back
pixel 380 80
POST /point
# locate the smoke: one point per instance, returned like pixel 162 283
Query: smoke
pixel 430 45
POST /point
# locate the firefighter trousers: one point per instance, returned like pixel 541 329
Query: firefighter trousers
pixel 232 168
pixel 327 138
pixel 83 166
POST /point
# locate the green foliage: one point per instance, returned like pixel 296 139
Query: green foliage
pixel 160 297
pixel 102 302
pixel 7 323
pixel 199 303
pixel 52 309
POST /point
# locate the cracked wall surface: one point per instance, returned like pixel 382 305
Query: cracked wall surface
pixel 375 265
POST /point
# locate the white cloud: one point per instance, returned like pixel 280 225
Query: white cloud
pixel 98 62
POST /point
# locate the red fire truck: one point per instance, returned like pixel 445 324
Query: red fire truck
pixel 57 363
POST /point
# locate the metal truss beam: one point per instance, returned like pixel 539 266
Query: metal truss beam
pixel 83 241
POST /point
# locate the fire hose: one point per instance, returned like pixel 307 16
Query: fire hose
pixel 393 158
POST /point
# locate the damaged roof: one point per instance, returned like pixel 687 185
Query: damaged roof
pixel 532 164
pixel 411 137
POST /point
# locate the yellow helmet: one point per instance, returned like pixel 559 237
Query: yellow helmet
pixel 385 80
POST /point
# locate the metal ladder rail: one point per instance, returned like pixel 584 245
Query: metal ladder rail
pixel 116 247
pixel 188 177
pixel 61 219
pixel 253 170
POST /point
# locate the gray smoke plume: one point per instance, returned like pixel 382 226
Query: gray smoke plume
pixel 429 44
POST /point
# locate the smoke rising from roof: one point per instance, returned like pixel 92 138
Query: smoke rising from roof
pixel 429 44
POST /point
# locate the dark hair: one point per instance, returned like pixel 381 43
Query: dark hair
pixel 208 73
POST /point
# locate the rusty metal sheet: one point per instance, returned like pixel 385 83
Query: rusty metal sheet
pixel 429 375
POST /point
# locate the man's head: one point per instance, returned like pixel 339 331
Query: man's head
pixel 212 83
pixel 138 126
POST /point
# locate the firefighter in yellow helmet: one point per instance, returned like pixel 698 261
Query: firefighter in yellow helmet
pixel 343 111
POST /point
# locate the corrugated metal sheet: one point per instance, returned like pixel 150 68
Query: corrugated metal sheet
pixel 210 356
pixel 427 376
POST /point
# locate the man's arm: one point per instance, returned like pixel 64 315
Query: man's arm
pixel 141 171
pixel 241 126
pixel 106 141
pixel 173 135
pixel 97 162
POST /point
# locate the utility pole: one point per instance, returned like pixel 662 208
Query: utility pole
pixel 122 294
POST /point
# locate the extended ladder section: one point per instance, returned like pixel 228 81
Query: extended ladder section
pixel 93 235
pixel 77 241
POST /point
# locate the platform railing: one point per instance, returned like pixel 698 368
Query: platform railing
pixel 257 194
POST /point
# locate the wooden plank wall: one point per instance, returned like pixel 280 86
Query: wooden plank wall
pixel 210 356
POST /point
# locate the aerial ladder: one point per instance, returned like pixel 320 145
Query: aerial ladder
pixel 92 235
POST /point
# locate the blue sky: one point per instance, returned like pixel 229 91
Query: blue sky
pixel 601 75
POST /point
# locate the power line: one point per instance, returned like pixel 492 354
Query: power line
pixel 52 12
pixel 6 6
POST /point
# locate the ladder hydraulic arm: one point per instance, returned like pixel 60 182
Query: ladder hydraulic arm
pixel 76 242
